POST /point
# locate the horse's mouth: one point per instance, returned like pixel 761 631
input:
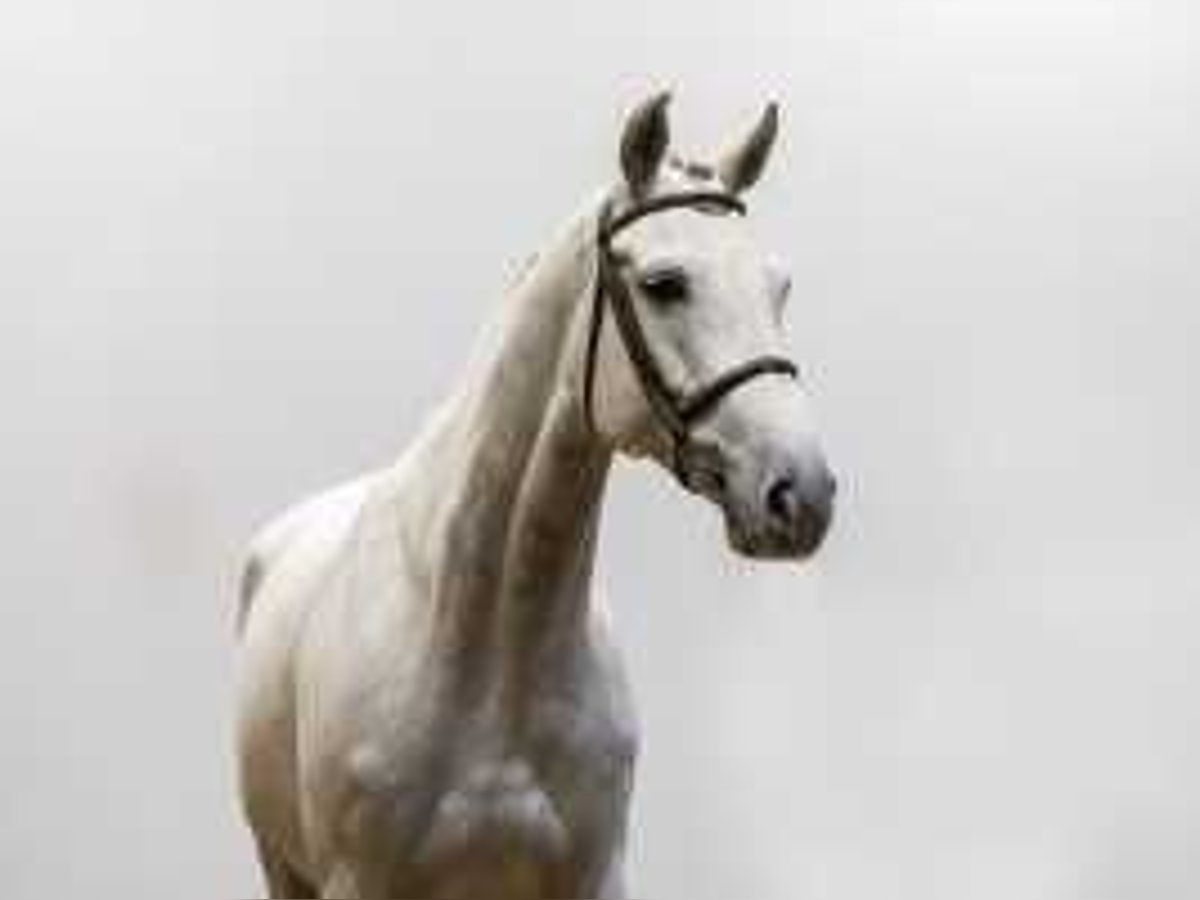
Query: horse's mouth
pixel 789 522
pixel 770 541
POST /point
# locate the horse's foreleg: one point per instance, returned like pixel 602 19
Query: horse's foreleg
pixel 342 884
pixel 614 887
pixel 283 881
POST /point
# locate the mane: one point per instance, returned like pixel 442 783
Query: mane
pixel 537 304
pixel 514 365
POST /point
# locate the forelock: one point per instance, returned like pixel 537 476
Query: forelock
pixel 693 170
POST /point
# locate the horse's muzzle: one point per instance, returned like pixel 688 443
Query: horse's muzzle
pixel 788 519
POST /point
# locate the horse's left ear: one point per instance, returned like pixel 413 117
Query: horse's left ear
pixel 740 166
pixel 644 142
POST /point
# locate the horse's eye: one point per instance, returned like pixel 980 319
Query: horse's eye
pixel 666 287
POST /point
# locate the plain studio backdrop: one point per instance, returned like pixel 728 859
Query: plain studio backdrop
pixel 246 244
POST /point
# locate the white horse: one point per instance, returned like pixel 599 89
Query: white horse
pixel 430 702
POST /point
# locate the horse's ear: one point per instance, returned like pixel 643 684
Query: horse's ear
pixel 741 165
pixel 644 142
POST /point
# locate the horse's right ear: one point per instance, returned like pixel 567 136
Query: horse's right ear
pixel 644 142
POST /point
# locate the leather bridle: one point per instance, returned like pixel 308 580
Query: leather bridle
pixel 676 410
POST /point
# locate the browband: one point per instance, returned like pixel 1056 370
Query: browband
pixel 691 199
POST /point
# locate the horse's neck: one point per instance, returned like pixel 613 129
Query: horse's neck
pixel 519 481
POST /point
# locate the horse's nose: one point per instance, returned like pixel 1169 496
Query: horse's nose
pixel 801 507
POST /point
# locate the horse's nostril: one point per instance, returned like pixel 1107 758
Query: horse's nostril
pixel 783 499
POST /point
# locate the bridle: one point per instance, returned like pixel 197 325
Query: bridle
pixel 676 410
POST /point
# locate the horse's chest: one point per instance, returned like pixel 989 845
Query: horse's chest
pixel 501 828
pixel 543 818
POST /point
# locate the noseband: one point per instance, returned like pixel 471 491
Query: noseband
pixel 676 410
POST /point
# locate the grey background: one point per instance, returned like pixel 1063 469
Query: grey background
pixel 244 245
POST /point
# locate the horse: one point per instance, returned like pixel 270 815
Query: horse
pixel 430 702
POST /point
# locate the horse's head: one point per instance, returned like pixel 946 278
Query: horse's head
pixel 688 358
